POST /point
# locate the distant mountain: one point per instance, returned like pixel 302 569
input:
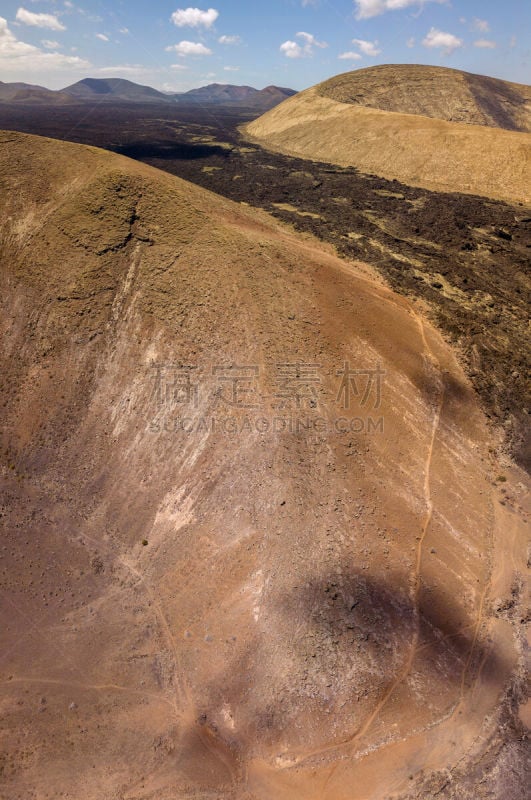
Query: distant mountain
pixel 27 93
pixel 115 89
pixel 108 90
pixel 216 93
pixel 273 95
pixel 227 94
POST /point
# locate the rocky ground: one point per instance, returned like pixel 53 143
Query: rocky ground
pixel 466 256
pixel 435 92
pixel 222 608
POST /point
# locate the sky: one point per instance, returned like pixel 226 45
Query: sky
pixel 293 43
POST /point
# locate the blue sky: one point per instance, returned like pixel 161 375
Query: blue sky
pixel 293 43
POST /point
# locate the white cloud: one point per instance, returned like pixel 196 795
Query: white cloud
pixel 194 17
pixel 125 31
pixel 179 66
pixel 295 50
pixel 50 45
pixel 102 37
pixel 190 49
pixel 447 42
pixel 20 57
pixel 292 49
pixel 350 56
pixel 367 48
pixel 411 42
pixel 365 9
pixel 229 40
pixel 231 69
pixel 486 43
pixel 480 25
pixel 49 21
pixel 310 39
pixel 127 69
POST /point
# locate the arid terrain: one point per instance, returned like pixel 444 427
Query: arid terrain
pixel 435 92
pixel 454 132
pixel 263 524
pixel 466 257
pixel 259 539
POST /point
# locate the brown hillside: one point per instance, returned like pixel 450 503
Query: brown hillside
pixel 436 92
pixel 219 578
pixel 394 122
pixel 24 93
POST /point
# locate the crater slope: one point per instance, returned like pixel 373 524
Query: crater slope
pixel 427 126
pixel 436 92
pixel 252 545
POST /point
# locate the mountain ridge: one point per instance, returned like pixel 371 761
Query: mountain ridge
pixel 108 90
pixel 113 88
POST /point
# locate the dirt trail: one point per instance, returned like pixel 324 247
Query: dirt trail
pixel 351 742
pixel 183 698
pixel 93 687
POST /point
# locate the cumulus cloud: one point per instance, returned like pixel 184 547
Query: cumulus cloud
pixel 365 9
pixel 190 49
pixel 310 39
pixel 367 48
pixel 229 40
pixel 411 42
pixel 486 43
pixel 194 17
pixel 446 42
pixel 17 56
pixel 292 49
pixel 102 37
pixel 231 69
pixel 39 20
pixel 480 25
pixel 295 50
pixel 123 30
pixel 50 44
pixel 350 55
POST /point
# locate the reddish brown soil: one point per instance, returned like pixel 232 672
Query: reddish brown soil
pixel 309 598
pixel 466 257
